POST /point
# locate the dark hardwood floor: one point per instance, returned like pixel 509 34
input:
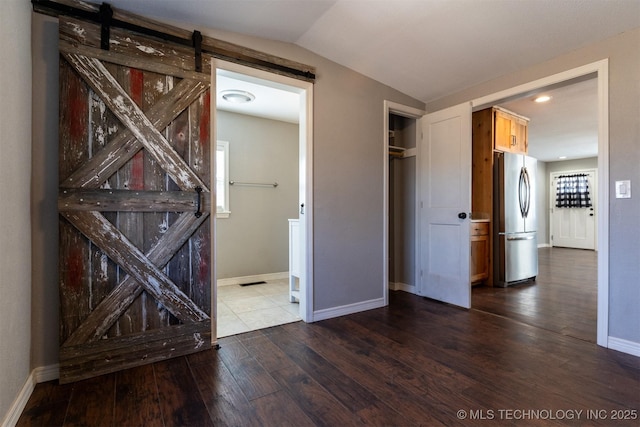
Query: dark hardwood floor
pixel 415 362
pixel 562 299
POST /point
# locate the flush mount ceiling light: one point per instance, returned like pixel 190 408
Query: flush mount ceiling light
pixel 237 96
pixel 542 98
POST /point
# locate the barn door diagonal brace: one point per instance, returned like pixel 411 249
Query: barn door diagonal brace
pixel 123 107
pixel 114 305
pixel 117 247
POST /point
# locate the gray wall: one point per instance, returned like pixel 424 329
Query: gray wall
pixel 255 237
pixel 15 179
pixel 347 168
pixel 623 52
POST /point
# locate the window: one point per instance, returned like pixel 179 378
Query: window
pixel 222 179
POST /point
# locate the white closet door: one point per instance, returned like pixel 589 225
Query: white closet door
pixel 444 179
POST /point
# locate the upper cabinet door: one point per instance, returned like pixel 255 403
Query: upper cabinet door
pixel 444 179
pixel 510 133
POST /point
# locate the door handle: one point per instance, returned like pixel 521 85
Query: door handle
pixel 462 215
pixel 302 208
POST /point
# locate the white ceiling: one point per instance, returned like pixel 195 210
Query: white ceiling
pixel 424 48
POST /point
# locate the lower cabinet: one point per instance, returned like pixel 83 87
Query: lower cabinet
pixel 479 252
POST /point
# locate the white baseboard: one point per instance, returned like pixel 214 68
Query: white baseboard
pixel 38 375
pixel 255 278
pixel 12 417
pixel 624 346
pixel 544 245
pixel 399 286
pixel 347 309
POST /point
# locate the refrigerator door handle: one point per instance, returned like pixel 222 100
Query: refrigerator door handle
pixel 527 183
pixel 521 183
pixel 521 238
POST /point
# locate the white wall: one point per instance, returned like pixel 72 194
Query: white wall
pixel 15 189
pixel 255 238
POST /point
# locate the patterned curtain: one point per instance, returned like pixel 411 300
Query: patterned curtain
pixel 572 191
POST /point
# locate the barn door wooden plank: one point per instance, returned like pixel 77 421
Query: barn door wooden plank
pixel 105 85
pixel 106 356
pixel 116 153
pixel 122 251
pixel 134 147
pixel 112 307
pixel 101 200
pixel 74 249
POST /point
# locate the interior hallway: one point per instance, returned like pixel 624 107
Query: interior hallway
pixel 563 298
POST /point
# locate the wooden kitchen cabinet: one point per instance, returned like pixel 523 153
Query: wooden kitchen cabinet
pixel 479 270
pixel 494 129
pixel 510 132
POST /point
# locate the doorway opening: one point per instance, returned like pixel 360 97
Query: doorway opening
pixel 263 193
pixel 567 296
pixel 597 71
pixel 401 133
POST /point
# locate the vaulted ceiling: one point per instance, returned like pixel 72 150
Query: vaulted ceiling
pixel 427 49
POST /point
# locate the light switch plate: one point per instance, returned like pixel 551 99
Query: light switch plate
pixel 623 189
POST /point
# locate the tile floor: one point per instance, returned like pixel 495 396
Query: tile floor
pixel 247 308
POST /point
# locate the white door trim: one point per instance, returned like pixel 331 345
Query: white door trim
pixel 601 69
pixel 305 90
pixel 412 113
pixel 552 200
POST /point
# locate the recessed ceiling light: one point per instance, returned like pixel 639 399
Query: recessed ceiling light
pixel 542 98
pixel 562 157
pixel 237 96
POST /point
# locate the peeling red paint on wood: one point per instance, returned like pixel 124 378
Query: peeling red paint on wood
pixel 124 146
pixel 136 86
pixel 78 110
pixel 75 269
pixel 205 119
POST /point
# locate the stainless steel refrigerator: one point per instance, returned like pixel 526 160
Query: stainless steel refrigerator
pixel 515 224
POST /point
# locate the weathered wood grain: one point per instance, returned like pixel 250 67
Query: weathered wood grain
pixel 74 199
pixel 121 162
pixel 112 307
pixel 118 353
pixel 154 281
pixel 134 62
pixel 74 275
pixel 200 160
pixel 135 46
pixel 116 153
pixel 103 83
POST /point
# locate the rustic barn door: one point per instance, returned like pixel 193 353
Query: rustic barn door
pixel 134 201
